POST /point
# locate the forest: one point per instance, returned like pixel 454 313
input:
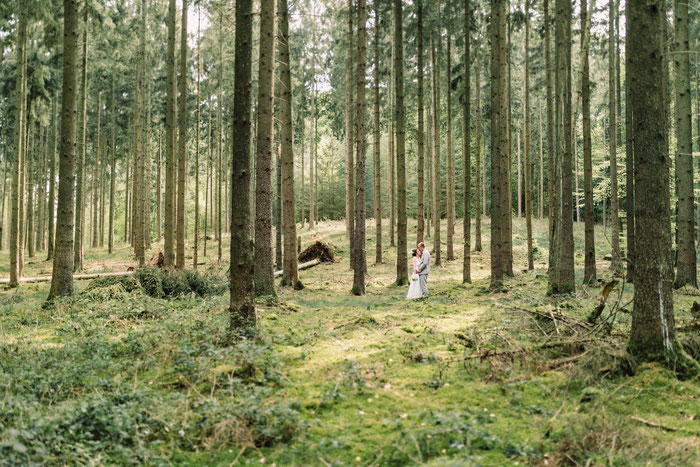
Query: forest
pixel 349 232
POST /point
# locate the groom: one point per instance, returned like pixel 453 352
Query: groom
pixel 423 268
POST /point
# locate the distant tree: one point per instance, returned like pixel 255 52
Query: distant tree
pixel 182 141
pixel 612 117
pixel 402 244
pixel 82 146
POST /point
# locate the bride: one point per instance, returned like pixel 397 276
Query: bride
pixel 414 289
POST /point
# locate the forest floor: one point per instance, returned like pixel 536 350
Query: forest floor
pixel 466 377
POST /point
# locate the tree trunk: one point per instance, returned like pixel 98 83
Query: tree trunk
pixel 358 285
pixel 377 153
pixel 95 176
pixel 168 247
pixel 113 172
pixel 195 253
pixel 80 166
pixel 540 191
pixel 507 167
pixel 477 146
pixel 62 277
pixel 565 278
pixel 466 150
pixel 652 335
pixel 138 217
pixel 349 138
pixel 450 150
pixel 401 240
pixel 41 192
pixel 30 156
pixel 519 175
pixel 126 201
pixel 182 141
pixel 589 273
pixel 629 165
pixel 526 141
pixel 499 136
pixel 687 271
pixel 435 186
pixel 264 273
pixel 551 156
pixel 614 214
pixel 242 304
pixel 420 231
pixel 392 154
pixel 290 277
pixel 278 204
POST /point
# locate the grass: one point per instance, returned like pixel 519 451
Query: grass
pixel 336 379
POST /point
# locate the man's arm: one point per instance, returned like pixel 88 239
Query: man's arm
pixel 424 262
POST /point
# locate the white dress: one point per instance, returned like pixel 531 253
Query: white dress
pixel 414 287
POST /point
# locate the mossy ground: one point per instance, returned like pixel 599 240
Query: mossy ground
pixel 369 380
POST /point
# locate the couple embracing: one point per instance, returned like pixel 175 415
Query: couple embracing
pixel 421 269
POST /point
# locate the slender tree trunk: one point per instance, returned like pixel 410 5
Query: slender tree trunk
pixel 436 150
pixel 526 141
pixel 629 166
pixel 392 154
pixel 138 217
pixel 519 174
pixel 540 191
pixel 687 270
pixel 195 253
pixel 479 186
pixel 377 153
pixel 30 156
pixel 312 158
pixel 577 199
pixel 147 168
pixel 402 244
pixel 652 335
pixel 62 277
pixel 113 172
pixel 565 278
pixel 182 141
pixel 290 276
pixel 95 176
pixel 551 185
pixel 466 149
pixel 589 273
pixel 450 151
pixel 614 215
pixel 349 138
pixel 358 285
pixel 80 166
pixel 242 304
pixel 5 185
pixel 499 136
pixel 41 191
pixel 126 202
pixel 507 167
pixel 278 203
pixel 169 253
pixel 264 277
pixel 420 233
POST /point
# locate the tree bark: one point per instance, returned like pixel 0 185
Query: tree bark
pixel 242 304
pixel 377 152
pixel 95 177
pixel 195 253
pixel 686 270
pixel 113 172
pixel 401 240
pixel 614 214
pixel 652 335
pixel 589 273
pixel 466 149
pixel 526 140
pixel 349 138
pixel 477 146
pixel 450 150
pixel 62 277
pixel 358 285
pixel 30 156
pixel 80 166
pixel 290 277
pixel 138 217
pixel 551 156
pixel 435 185
pixel 420 230
pixel 264 273
pixel 168 247
pixel 182 142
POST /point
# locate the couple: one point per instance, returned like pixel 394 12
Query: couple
pixel 421 269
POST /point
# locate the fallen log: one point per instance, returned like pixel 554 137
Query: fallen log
pixel 75 277
pixel 302 266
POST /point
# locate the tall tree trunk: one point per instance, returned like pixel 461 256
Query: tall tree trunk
pixel 349 138
pixel 540 191
pixel 565 278
pixel 687 271
pixel 242 304
pixel 62 276
pixel 95 176
pixel 499 136
pixel 435 186
pixel 392 153
pixel 526 141
pixel 477 146
pixel 519 175
pixel 377 153
pixel 450 150
pixel 195 253
pixel 614 215
pixel 30 156
pixel 41 191
pixel 551 185
pixel 138 217
pixel 168 247
pixel 401 240
pixel 290 275
pixel 312 158
pixel 159 187
pixel 113 171
pixel 264 278
pixel 507 167
pixel 5 185
pixel 420 232
pixel 589 273
pixel 629 166
pixel 652 335
pixel 358 285
pixel 182 141
pixel 126 201
pixel 278 202
pixel 466 150
pixel 80 166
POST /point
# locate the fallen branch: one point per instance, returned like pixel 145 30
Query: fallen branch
pixel 653 424
pixel 302 266
pixel 75 277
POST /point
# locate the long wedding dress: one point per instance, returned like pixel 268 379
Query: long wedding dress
pixel 414 289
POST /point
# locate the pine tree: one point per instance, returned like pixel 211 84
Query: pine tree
pixel 420 234
pixel 589 274
pixel 80 166
pixel 182 142
pixel 138 217
pixel 349 138
pixel 614 214
pixel 466 149
pixel 377 153
pixel 526 139
pixel 169 252
pixel 401 243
